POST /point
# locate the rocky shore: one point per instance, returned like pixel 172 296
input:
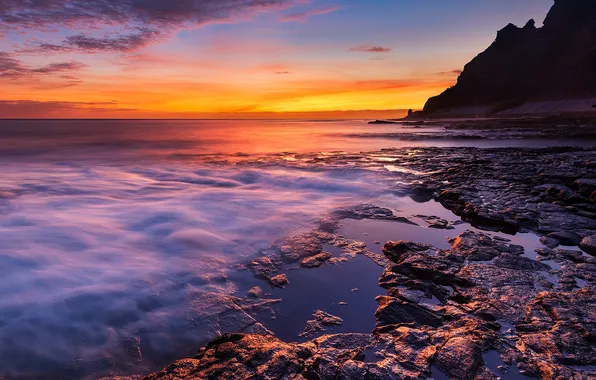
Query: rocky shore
pixel 476 311
pixel 483 309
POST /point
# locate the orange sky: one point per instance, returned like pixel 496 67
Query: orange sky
pixel 286 58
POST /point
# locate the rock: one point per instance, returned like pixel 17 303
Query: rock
pixel 549 242
pixel 295 248
pixel 460 357
pixel 588 245
pixel 316 260
pixel 368 211
pixel 394 250
pixel 585 186
pixel 565 237
pixel 520 58
pixel 443 306
pixel 279 281
pixel 264 266
pixel 413 347
pixel 436 222
pixel 393 311
pixel 320 321
pixel 442 309
pixel 255 292
pixel 329 224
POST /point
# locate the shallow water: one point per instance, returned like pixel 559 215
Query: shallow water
pixel 110 231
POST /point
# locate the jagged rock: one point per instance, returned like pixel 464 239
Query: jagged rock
pixel 264 266
pixel 460 358
pixel 550 333
pixel 436 222
pixel 294 248
pixel 367 211
pixel 279 281
pixel 394 250
pixel 320 321
pixel 316 260
pixel 393 311
pixel 255 292
pixel 526 64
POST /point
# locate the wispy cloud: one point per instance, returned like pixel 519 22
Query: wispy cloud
pixel 141 22
pixel 304 16
pixel 27 108
pixel 449 73
pixel 11 68
pixel 90 44
pixel 370 49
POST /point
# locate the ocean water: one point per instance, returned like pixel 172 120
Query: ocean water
pixel 111 232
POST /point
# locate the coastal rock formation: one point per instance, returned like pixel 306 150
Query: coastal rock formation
pixel 476 311
pixel 526 64
pixel 483 309
pixel 306 250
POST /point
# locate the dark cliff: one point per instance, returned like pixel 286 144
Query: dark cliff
pixel 556 61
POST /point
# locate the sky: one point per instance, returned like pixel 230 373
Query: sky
pixel 240 58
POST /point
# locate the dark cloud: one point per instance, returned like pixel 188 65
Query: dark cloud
pixel 282 72
pixel 84 43
pixel 11 67
pixel 54 68
pixel 370 49
pixel 140 22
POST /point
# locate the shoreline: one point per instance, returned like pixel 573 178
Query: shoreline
pixel 468 329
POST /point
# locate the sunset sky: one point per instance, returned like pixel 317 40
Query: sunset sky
pixel 239 58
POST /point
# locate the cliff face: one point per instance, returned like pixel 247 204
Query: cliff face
pixel 556 61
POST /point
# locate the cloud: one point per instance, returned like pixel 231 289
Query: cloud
pixel 26 108
pixel 84 43
pixel 138 22
pixel 452 72
pixel 12 68
pixel 303 16
pixel 370 49
pixel 282 72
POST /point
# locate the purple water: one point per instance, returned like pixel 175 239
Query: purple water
pixel 110 231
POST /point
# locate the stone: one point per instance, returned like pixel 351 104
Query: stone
pixel 393 311
pixel 549 242
pixel 460 357
pixel 586 186
pixel 588 245
pixel 565 237
pixel 316 260
pixel 279 281
pixel 394 250
pixel 320 321
pixel 255 292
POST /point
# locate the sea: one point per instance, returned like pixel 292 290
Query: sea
pixel 113 231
